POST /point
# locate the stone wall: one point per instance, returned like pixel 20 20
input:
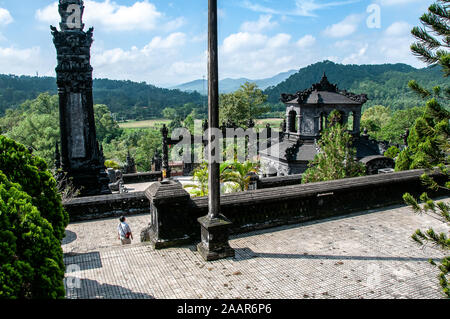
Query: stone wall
pixel 173 213
pixel 265 208
pixel 278 181
pixel 97 207
pixel 146 177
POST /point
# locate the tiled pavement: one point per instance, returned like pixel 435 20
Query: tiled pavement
pixel 366 255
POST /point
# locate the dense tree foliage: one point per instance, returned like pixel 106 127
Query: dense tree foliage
pixel 245 104
pixel 141 143
pixel 105 126
pixel 336 159
pixel 383 124
pixel 31 172
pixel 128 100
pixel 32 226
pixel 35 124
pixel 31 259
pixel 428 139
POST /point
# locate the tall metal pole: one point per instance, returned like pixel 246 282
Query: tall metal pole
pixel 213 112
pixel 215 227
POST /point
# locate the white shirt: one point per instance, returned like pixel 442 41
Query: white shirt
pixel 123 228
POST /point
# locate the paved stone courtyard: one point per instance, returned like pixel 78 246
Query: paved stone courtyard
pixel 364 255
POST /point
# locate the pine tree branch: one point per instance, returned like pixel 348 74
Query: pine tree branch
pixel 423 54
pixel 425 39
pixel 440 11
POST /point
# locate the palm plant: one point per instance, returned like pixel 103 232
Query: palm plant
pixel 200 186
pixel 239 173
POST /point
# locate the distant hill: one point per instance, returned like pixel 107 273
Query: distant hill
pixel 385 84
pixel 231 85
pixel 127 99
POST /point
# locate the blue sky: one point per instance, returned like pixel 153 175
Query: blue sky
pixel 164 42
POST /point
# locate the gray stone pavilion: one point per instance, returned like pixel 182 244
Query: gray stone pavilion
pixel 306 117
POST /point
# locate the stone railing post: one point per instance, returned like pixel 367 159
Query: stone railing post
pixel 169 221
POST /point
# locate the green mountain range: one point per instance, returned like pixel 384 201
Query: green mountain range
pixel 385 84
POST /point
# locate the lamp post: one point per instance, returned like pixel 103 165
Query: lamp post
pixel 214 226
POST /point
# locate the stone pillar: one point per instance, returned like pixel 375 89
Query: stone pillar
pixel 81 156
pixel 357 122
pixel 165 155
pixel 344 119
pixel 299 121
pixel 269 135
pixel 288 122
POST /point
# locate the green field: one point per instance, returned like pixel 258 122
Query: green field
pixel 274 123
pixel 158 123
pixel 155 124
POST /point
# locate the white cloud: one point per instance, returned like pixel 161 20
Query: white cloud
pixel 264 23
pixel 159 62
pixel 304 8
pixel 256 55
pixel 5 17
pixel 344 28
pixel 357 57
pixel 20 61
pixel 398 33
pixel 399 28
pixel 397 2
pixel 306 41
pixel 390 46
pixel 142 15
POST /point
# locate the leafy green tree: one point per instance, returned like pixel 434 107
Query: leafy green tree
pixel 398 123
pixel 35 124
pixel 245 104
pixel 384 125
pixel 31 258
pixel 336 159
pixel 141 143
pixel 105 126
pixel 147 146
pixel 170 113
pixel 374 117
pixel 392 152
pixel 38 126
pixel 427 139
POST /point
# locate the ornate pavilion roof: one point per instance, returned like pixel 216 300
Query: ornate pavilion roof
pixel 324 93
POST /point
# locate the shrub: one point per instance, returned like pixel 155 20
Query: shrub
pixel 30 254
pixel 392 152
pixel 112 164
pixel 21 167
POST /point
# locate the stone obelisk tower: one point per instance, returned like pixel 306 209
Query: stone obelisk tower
pixel 81 157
